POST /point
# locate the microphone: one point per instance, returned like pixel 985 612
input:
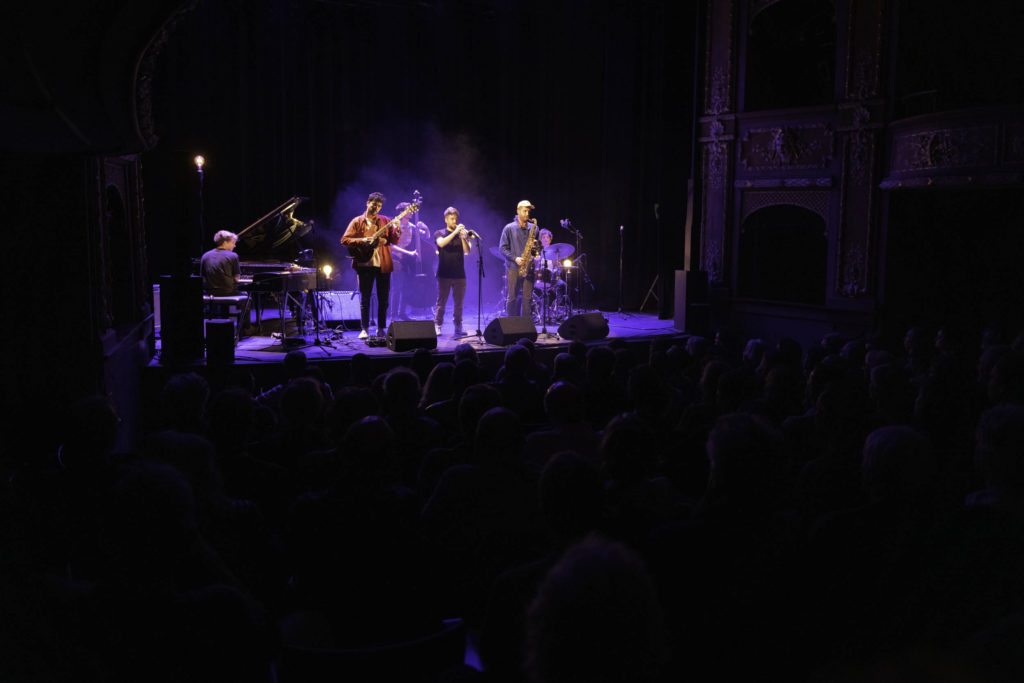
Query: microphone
pixel 473 234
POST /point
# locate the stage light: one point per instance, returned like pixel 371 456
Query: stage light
pixel 567 263
pixel 327 271
pixel 200 161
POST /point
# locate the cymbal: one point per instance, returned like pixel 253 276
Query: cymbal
pixel 496 253
pixel 558 251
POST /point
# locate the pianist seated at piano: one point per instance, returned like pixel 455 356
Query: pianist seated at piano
pixel 219 266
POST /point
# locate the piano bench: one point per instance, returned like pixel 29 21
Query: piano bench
pixel 235 307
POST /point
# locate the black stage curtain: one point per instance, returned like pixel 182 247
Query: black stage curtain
pixel 583 108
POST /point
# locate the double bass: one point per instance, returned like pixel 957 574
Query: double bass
pixel 420 287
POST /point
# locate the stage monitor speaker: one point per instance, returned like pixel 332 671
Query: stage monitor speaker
pixel 339 305
pixel 181 319
pixel 407 335
pixel 220 342
pixel 506 331
pixel 692 307
pixel 584 327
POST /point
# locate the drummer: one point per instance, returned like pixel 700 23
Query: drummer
pixel 541 262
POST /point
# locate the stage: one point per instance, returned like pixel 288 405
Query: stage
pixel 339 343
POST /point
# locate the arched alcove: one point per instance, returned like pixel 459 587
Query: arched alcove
pixel 783 255
pixel 791 55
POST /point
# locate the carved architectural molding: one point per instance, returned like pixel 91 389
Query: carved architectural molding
pixel 851 281
pixel 812 200
pixel 945 148
pixel 964 147
pixel 799 146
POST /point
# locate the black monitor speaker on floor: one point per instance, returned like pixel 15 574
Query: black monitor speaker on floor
pixel 584 327
pixel 506 331
pixel 220 342
pixel 408 335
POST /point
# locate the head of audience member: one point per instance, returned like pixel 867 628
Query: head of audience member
pixel 898 466
pixel 369 453
pixel 596 617
pixel 362 370
pixel 295 364
pixel 745 458
pixel 1006 379
pixel 401 393
pixel 517 361
pixel 350 404
pixel 563 403
pixel 465 374
pixel 194 457
pixel 90 432
pixel 567 367
pixel 438 386
pixel 499 438
pixel 628 450
pixel 476 400
pixel 571 496
pixel 465 351
pixel 999 453
pixel 231 417
pixel 648 392
pixel 578 350
pixel 600 363
pixel 753 352
pixel 709 379
pixel 738 388
pixel 184 402
pixel 302 402
pixel 422 363
pixel 148 524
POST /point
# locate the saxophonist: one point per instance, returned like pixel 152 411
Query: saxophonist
pixel 519 250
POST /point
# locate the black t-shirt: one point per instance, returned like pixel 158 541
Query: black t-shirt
pixel 219 267
pixel 450 261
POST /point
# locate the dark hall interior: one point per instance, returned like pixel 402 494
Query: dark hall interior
pixel 816 467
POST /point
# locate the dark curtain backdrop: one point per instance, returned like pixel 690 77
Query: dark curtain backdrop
pixel 584 108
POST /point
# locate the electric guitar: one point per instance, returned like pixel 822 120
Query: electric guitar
pixel 363 251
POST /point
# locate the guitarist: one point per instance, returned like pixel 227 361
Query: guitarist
pixel 374 265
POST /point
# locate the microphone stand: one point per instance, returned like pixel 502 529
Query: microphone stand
pixel 479 290
pixel 543 293
pixel 620 311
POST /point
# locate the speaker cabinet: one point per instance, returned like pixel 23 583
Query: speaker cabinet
pixel 584 327
pixel 181 318
pixel 339 305
pixel 220 342
pixel 692 306
pixel 406 335
pixel 505 331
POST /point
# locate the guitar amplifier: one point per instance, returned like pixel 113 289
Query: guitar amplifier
pixel 339 306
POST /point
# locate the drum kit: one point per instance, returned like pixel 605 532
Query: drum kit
pixel 554 280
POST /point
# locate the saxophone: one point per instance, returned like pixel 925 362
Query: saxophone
pixel 527 258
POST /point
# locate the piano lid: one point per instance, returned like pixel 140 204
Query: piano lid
pixel 275 236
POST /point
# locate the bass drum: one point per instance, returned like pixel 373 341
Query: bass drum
pixel 557 305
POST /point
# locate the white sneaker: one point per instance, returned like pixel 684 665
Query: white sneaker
pixel 437 329
pixel 364 334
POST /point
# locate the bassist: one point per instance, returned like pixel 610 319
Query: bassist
pixel 371 258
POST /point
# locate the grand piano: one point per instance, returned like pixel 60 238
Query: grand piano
pixel 273 261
